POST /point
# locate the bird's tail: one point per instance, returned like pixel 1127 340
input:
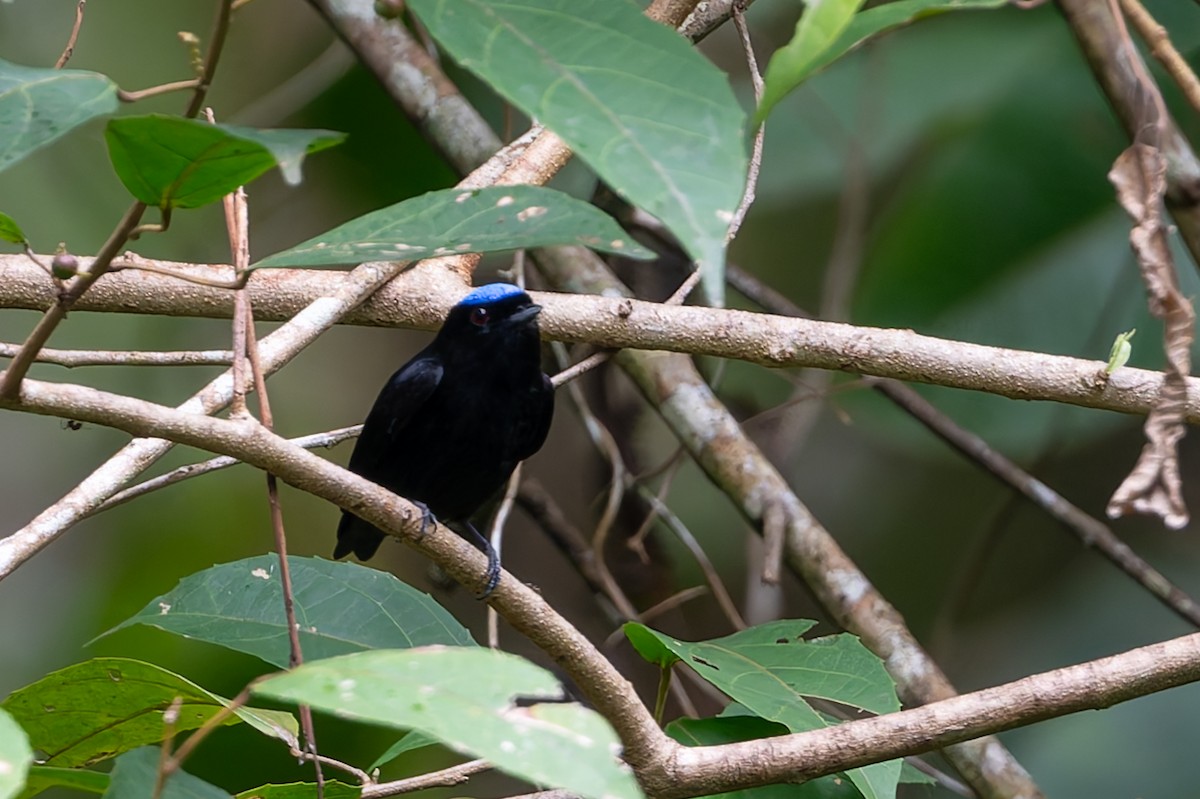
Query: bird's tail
pixel 355 535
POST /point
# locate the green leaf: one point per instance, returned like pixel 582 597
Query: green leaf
pixel 340 607
pixel 11 231
pixel 458 221
pixel 1121 350
pixel 91 711
pixel 822 22
pixel 654 119
pixel 39 105
pixel 794 68
pixel 16 755
pixel 171 162
pixel 650 644
pixel 410 742
pixel 731 729
pixel 302 790
pixel 134 775
pixel 467 698
pixel 770 670
pixel 42 778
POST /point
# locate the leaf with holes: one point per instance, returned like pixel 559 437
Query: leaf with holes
pixel 771 669
pixel 655 119
pixel 457 221
pixel 171 162
pixel 481 702
pixel 39 105
pixel 340 607
pixel 97 709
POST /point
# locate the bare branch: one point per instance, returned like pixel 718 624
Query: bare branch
pixel 69 50
pixel 618 322
pixel 75 358
pixel 665 769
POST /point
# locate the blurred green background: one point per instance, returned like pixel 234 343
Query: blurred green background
pixel 975 147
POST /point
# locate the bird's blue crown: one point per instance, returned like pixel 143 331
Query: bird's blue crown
pixel 492 292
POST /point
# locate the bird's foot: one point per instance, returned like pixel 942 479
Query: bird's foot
pixel 493 573
pixel 468 531
pixel 428 520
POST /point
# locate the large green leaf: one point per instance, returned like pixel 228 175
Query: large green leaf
pixel 771 669
pixel 39 105
pixel 43 778
pixel 820 44
pixel 822 22
pixel 102 707
pixel 135 774
pixel 16 755
pixel 340 607
pixel 652 117
pixel 457 221
pixel 480 702
pixel 172 162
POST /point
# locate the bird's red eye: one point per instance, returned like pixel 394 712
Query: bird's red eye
pixel 479 316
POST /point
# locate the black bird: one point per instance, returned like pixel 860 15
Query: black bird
pixel 451 425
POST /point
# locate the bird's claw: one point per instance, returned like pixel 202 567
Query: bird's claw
pixel 428 520
pixel 493 574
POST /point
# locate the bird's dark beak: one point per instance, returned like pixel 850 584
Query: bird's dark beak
pixel 525 314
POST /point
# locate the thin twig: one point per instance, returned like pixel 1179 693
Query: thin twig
pixel 496 536
pixel 237 218
pixel 216 46
pixel 545 511
pixel 637 541
pixel 602 439
pixel 1155 37
pixel 69 50
pixel 454 775
pixel 681 531
pixel 10 381
pixel 170 717
pixel 326 439
pixel 131 261
pixel 321 760
pixel 739 216
pixel 134 95
pixel 577 370
pixel 76 358
pixel 214 722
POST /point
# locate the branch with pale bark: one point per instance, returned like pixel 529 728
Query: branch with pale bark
pixel 665 768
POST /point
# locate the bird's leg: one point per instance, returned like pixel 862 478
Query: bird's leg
pixel 427 518
pixel 493 571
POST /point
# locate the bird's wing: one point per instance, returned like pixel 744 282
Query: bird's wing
pixel 405 393
pixel 534 427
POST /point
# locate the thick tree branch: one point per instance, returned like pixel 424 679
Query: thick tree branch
pixel 716 441
pixel 666 770
pixel 611 322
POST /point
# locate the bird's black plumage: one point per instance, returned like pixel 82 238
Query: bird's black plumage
pixel 451 425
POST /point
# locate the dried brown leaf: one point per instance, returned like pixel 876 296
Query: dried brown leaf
pixel 1154 486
